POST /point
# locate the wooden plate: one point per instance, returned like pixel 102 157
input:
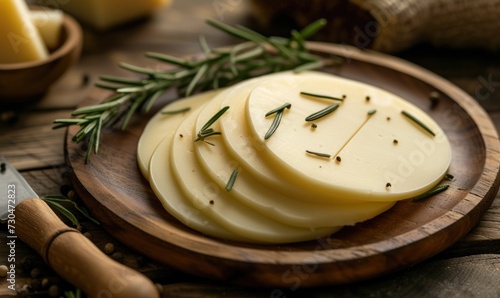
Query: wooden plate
pixel 121 199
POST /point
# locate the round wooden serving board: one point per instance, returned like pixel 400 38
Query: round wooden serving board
pixel 121 199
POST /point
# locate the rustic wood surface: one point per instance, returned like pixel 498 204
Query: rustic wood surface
pixel 470 268
pixel 122 200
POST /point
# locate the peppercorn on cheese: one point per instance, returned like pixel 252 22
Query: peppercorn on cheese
pixel 218 169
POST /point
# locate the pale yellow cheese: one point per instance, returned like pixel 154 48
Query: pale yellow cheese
pixel 372 167
pixel 171 197
pixel 19 39
pixel 162 125
pixel 218 204
pixel 218 163
pixel 282 193
pixel 48 22
pixel 105 14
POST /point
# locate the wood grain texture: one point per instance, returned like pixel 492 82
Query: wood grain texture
pixel 407 234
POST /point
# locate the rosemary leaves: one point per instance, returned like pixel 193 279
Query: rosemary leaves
pixel 257 55
pixel 322 113
pixel 206 131
pixel 418 122
pixel 232 179
pixel 277 119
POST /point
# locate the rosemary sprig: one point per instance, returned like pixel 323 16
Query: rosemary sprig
pixel 322 113
pixel 418 122
pixel 206 131
pixel 257 55
pixel 277 119
pixel 286 105
pixel 319 154
pixel 435 190
pixel 232 179
pixel 58 202
pixel 173 112
pixel 321 96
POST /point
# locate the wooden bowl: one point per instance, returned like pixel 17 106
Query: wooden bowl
pixel 26 82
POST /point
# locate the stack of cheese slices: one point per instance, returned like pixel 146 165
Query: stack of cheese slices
pixel 342 153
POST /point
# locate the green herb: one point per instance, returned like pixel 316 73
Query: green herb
pixel 435 190
pixel 173 112
pixel 449 176
pixel 58 202
pixel 418 122
pixel 73 294
pixel 321 96
pixel 286 105
pixel 371 112
pixel 274 125
pixel 319 154
pixel 322 112
pixel 257 55
pixel 206 131
pixel 231 180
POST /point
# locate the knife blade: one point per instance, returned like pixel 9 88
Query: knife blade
pixel 73 256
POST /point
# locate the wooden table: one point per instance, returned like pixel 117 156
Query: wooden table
pixel 470 268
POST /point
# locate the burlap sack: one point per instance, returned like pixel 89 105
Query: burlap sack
pixel 394 25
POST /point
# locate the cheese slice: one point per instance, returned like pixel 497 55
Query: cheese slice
pixel 161 125
pixel 218 163
pixel 218 204
pixel 382 156
pixel 172 198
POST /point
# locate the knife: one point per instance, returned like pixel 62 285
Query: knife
pixel 64 249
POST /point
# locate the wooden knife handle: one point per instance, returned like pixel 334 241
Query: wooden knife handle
pixel 74 257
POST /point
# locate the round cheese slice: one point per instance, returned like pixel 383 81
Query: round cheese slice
pixel 218 163
pixel 217 203
pixel 162 125
pixel 376 152
pixel 172 198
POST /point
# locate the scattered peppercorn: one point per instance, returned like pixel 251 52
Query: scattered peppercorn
pixel 88 235
pixel 3 270
pixel 35 272
pixel 211 202
pixel 434 97
pixel 54 291
pixel 181 135
pixel 388 184
pixel 388 118
pixel 338 159
pixel 109 248
pixel 45 283
pixel 314 125
pixel 367 98
pixel 71 195
pixel 395 141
